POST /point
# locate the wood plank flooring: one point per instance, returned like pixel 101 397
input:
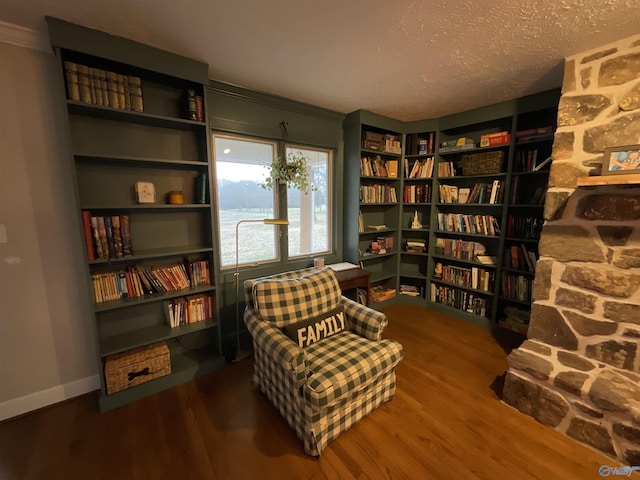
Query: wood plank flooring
pixel 445 422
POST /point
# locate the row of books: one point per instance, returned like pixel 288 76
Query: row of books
pixel 139 280
pixel 520 258
pixel 460 223
pixel 381 293
pixel 378 194
pixel 187 310
pixel 528 194
pixel 524 227
pixel 461 249
pixel 107 236
pixel 459 299
pixel 416 194
pixel 491 193
pixel 378 167
pixel 420 168
pixel 473 277
pixel 446 169
pixel 415 245
pixel 516 287
pixel 96 86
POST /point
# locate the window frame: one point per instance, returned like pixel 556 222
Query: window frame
pixel 280 203
pixel 330 200
pixel 280 254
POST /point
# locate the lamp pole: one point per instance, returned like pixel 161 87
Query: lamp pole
pixel 240 354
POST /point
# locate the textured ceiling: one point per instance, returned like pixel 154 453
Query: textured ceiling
pixel 404 59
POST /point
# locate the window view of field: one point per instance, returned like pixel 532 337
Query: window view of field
pixel 240 168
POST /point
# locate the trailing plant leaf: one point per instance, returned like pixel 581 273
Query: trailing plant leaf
pixel 292 173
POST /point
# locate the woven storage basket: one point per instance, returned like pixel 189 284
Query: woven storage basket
pixel 482 163
pixel 126 369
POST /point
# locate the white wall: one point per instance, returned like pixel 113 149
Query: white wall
pixel 47 349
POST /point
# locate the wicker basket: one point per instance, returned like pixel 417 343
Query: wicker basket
pixel 127 369
pixel 484 163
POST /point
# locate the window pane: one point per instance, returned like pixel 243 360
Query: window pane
pixel 240 166
pixel 310 215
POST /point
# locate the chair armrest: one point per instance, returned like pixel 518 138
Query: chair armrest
pixel 276 346
pixel 364 321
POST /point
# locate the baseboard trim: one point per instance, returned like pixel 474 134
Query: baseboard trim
pixel 33 401
pixel 23 37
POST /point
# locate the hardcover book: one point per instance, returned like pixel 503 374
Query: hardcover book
pixel 110 242
pixel 96 238
pixel 102 230
pixel 71 74
pixel 112 89
pixel 121 96
pixel 117 236
pixel 135 92
pixel 83 84
pixel 125 232
pixel 88 237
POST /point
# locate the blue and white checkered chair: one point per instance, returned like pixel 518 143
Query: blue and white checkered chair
pixel 323 387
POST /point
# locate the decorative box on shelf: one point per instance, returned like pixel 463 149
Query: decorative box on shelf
pixel 133 367
pixel 495 139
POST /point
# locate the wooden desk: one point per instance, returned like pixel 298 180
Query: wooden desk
pixel 354 278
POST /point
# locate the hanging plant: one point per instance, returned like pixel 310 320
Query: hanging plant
pixel 293 173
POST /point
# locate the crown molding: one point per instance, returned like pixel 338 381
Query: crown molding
pixel 23 37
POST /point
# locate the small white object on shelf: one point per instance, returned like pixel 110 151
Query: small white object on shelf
pixel 338 267
pixel 145 192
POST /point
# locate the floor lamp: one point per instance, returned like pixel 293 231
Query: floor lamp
pixel 240 354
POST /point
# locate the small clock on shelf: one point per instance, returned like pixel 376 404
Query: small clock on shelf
pixel 145 192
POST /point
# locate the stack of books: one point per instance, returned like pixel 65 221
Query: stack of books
pixel 380 293
pixel 411 290
pixel 416 245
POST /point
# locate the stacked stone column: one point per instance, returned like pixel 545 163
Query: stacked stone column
pixel 579 370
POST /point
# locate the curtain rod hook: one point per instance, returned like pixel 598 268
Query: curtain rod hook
pixel 283 127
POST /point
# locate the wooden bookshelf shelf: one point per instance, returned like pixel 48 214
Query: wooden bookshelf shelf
pixel 600 180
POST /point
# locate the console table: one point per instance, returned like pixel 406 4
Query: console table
pixel 354 278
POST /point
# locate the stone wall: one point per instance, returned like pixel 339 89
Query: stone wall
pixel 579 369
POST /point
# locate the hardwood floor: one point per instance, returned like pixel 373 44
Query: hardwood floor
pixel 446 421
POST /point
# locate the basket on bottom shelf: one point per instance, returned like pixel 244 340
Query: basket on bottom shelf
pixel 133 367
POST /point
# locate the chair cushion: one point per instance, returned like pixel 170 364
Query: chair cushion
pixel 315 329
pixel 290 300
pixel 346 363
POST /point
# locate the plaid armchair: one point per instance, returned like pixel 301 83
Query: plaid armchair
pixel 326 385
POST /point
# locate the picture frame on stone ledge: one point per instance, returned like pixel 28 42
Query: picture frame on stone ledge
pixel 621 160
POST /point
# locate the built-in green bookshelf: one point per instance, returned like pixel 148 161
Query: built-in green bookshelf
pixel 131 119
pixel 483 174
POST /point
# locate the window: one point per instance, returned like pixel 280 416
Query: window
pixel 240 167
pixel 310 215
